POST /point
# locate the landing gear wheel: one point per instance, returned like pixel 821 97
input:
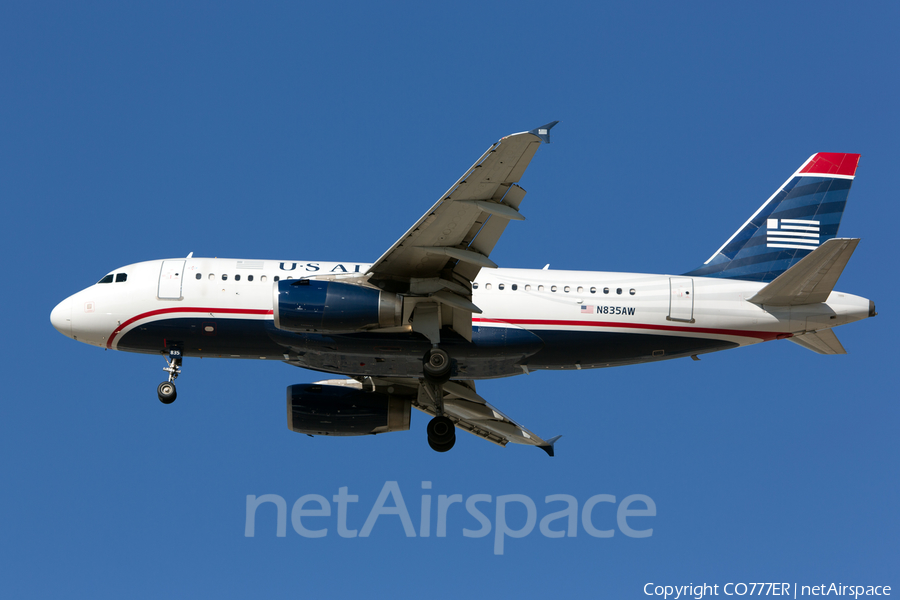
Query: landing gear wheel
pixel 442 447
pixel 166 392
pixel 436 365
pixel 441 433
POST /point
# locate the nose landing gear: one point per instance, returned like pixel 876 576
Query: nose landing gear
pixel 166 390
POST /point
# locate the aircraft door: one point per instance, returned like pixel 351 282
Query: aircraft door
pixel 681 299
pixel 170 276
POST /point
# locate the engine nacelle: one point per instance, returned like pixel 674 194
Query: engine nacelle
pixel 318 409
pixel 302 305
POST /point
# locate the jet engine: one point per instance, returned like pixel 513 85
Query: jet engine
pixel 317 409
pixel 302 305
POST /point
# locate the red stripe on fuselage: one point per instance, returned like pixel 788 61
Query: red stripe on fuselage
pixel 763 335
pixel 185 309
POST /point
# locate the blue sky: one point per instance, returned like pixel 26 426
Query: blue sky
pixel 316 132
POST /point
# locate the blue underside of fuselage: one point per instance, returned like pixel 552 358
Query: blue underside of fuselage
pixel 493 352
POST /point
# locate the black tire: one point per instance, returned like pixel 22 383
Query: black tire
pixel 441 431
pixel 166 392
pixel 442 447
pixel 436 365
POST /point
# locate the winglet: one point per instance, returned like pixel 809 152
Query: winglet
pixel 543 132
pixel 548 445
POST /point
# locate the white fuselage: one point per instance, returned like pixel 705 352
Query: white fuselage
pixel 570 311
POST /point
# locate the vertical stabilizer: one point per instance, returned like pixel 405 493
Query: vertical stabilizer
pixel 800 216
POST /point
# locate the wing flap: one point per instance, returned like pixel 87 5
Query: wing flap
pixel 487 235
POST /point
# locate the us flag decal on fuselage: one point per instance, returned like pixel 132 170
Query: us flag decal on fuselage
pixel 792 233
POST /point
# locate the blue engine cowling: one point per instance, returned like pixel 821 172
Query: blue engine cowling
pixel 301 305
pixel 318 409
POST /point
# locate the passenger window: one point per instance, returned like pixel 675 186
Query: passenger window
pixel 631 291
pixel 107 279
pixel 121 277
pixel 580 289
pixel 249 277
pixel 487 286
pixel 593 290
pixel 474 286
pixel 224 277
pixel 276 278
pixel 263 278
pixel 552 288
pixel 567 289
pixel 237 277
pixel 515 287
pixel 199 276
pixel 540 288
pixel 212 276
pixel 605 290
pixel 528 288
pixel 501 286
pixel 618 290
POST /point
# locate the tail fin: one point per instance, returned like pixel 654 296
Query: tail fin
pixel 804 212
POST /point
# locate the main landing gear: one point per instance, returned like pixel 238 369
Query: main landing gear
pixel 436 366
pixel 166 390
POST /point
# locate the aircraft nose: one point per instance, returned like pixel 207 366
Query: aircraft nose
pixel 61 317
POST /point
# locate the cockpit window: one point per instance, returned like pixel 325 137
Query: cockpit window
pixel 121 277
pixel 107 279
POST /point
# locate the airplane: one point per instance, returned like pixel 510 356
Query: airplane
pixel 432 315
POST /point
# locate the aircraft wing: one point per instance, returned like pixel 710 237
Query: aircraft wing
pixel 444 251
pixel 470 412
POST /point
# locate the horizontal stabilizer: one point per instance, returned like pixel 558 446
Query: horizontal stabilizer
pixel 811 280
pixel 820 342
